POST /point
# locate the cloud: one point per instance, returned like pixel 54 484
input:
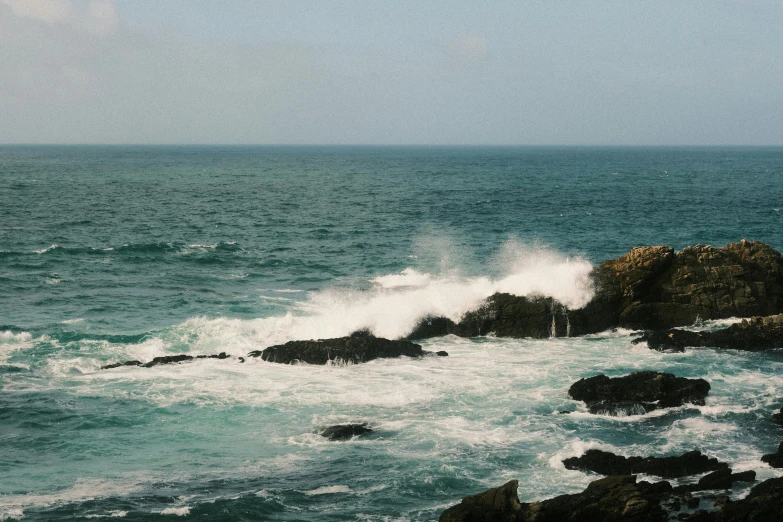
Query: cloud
pixel 45 10
pixel 101 16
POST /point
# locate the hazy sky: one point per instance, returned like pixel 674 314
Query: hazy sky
pixel 392 72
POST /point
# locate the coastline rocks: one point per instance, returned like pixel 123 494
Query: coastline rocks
pixel 649 288
pixel 606 463
pixel 356 348
pixel 496 505
pixel 777 418
pixel 346 431
pixel 774 459
pixel 760 333
pixel 166 359
pixel 507 315
pixel 764 502
pixel 638 393
pixel 606 500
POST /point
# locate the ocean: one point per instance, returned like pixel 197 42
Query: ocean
pixel 117 253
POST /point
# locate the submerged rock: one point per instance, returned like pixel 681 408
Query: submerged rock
pixel 166 359
pixel 507 315
pixel 760 333
pixel 606 463
pixel 639 392
pixel 117 365
pixel 432 326
pixel 346 431
pixel 352 349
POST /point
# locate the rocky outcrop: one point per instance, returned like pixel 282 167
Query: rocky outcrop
pixel 763 503
pixel 346 431
pixel 605 463
pixel 760 333
pixel 774 459
pixel 638 393
pixel 166 359
pixel 606 500
pixel 650 287
pixel 777 418
pixel 621 497
pixel 357 348
pixel 507 315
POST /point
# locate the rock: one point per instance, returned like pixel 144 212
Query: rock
pixel 605 463
pixel 117 365
pixel 763 503
pixel 649 288
pixel 432 326
pixel 496 505
pixel 167 359
pixel 777 418
pixel 774 459
pixel 507 315
pixel 346 431
pixel 606 500
pixel 720 479
pixel 351 349
pixel 639 392
pixel 760 333
pixel 442 353
pixel 744 476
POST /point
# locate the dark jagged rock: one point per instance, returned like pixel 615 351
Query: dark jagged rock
pixel 117 365
pixel 168 359
pixel 763 503
pixel 741 279
pixel 649 288
pixel 351 349
pixel 639 392
pixel 720 479
pixel 442 353
pixel 346 431
pixel 777 418
pixel 496 505
pixel 507 315
pixel 774 459
pixel 432 326
pixel 605 463
pixel 607 500
pixel 760 333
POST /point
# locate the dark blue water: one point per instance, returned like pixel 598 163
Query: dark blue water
pixel 114 253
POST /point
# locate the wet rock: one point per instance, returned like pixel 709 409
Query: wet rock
pixel 739 280
pixel 432 326
pixel 351 349
pixel 346 431
pixel 760 333
pixel 442 353
pixel 763 503
pixel 777 418
pixel 496 505
pixel 221 355
pixel 638 392
pixel 720 479
pixel 117 365
pixel 606 500
pixel 774 459
pixel 606 463
pixel 507 315
pixel 168 359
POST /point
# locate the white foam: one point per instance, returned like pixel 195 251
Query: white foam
pixel 11 513
pixel 180 511
pixel 407 278
pixel 44 250
pixel 326 490
pixel 111 514
pixel 73 321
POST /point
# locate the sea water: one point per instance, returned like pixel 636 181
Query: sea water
pixel 110 254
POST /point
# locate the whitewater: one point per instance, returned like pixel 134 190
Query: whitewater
pixel 271 246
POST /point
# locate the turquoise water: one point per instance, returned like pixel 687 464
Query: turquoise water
pixel 116 253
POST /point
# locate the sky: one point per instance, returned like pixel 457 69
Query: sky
pixel 391 72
